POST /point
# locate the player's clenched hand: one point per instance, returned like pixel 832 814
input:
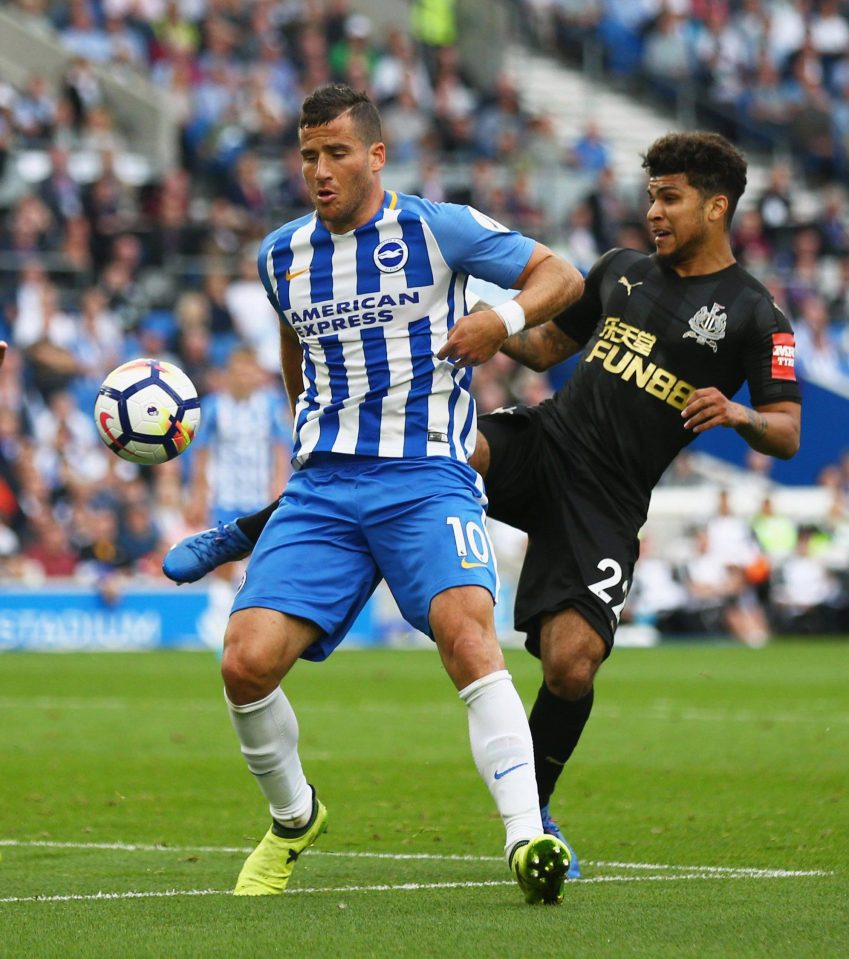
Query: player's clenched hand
pixel 474 339
pixel 709 407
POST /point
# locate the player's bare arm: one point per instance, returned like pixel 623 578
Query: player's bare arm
pixel 291 359
pixel 3 346
pixel 547 285
pixel 772 428
pixel 540 347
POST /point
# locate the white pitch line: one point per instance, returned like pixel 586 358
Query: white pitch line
pixel 398 887
pixel 708 871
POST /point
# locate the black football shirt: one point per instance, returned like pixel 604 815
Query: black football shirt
pixel 650 338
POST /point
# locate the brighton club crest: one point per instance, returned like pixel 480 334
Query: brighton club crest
pixel 708 326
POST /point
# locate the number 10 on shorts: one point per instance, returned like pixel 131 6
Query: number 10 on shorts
pixel 471 538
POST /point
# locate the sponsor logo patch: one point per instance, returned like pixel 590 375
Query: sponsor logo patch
pixel 783 356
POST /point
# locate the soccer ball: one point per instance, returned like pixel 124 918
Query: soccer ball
pixel 147 411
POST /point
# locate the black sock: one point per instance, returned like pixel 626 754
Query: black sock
pixel 254 524
pixel 556 726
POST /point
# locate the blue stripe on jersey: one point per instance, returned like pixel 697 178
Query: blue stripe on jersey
pixel 321 265
pixel 310 404
pixel 371 411
pixel 368 278
pixel 416 408
pixel 281 260
pixel 417 269
pixel 329 423
pixel 451 319
pixel 466 384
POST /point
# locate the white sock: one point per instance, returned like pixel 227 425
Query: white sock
pixel 504 754
pixel 268 733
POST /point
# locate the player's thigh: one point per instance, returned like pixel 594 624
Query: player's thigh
pixel 511 451
pixel 312 560
pixel 426 527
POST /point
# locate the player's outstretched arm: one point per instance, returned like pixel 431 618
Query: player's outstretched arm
pixel 772 428
pixel 547 285
pixel 541 347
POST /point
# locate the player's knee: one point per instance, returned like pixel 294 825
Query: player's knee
pixel 570 679
pixel 247 676
pixel 470 653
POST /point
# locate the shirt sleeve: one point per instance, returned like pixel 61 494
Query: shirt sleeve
pixel 770 357
pixel 580 319
pixel 474 243
pixel 263 263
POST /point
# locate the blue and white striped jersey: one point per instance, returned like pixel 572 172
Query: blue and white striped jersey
pixel 241 436
pixel 371 309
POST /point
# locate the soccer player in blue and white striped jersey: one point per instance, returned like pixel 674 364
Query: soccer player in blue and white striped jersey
pixel 376 350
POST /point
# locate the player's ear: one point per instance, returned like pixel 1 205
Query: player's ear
pixel 717 207
pixel 377 156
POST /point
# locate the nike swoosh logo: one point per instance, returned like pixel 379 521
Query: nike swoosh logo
pixel 105 419
pixel 553 761
pixel 510 770
pixel 291 275
pixel 467 565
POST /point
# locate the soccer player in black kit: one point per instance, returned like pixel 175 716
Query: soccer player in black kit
pixel 667 340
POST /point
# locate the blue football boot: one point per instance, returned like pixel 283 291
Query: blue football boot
pixel 551 828
pixel 196 555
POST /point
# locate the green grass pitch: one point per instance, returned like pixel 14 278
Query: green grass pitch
pixel 708 801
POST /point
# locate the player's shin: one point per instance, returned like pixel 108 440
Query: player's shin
pixel 268 734
pixel 556 726
pixel 503 753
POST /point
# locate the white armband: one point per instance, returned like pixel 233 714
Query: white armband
pixel 512 316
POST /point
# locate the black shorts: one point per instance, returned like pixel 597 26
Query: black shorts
pixel 581 550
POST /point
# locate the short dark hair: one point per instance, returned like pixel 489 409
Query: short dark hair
pixel 327 103
pixel 712 164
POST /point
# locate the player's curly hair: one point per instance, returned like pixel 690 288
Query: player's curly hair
pixel 711 163
pixel 332 100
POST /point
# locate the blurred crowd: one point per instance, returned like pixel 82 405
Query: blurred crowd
pixel 98 266
pixel 746 576
pixel 765 72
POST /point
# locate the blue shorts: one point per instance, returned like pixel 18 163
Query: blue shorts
pixel 346 522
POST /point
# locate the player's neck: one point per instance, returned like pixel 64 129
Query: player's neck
pixel 707 259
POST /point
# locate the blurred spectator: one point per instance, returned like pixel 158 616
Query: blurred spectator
pixel 817 352
pixel 236 470
pixel 590 152
pixel 730 540
pixel 52 551
pixel 254 319
pixel 775 532
pixel 720 597
pixel 406 127
pixel 668 53
pixel 806 597
pixel 775 205
pixel 399 68
pixel 657 597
